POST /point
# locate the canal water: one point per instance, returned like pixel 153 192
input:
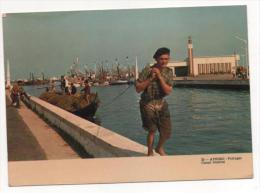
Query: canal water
pixel 204 121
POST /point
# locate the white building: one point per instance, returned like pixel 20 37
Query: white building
pixel 200 65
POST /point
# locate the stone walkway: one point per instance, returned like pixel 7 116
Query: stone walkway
pixel 30 138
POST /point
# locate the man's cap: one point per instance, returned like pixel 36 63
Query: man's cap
pixel 161 51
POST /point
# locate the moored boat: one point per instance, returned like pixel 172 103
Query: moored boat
pixel 81 105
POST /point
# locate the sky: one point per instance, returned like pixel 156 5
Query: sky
pixel 48 42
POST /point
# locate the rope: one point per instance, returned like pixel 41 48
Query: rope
pixel 117 96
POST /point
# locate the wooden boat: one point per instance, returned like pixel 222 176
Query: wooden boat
pixel 81 105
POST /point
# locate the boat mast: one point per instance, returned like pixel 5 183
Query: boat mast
pixel 118 70
pixel 95 69
pixel 128 68
pixel 76 66
pixel 86 70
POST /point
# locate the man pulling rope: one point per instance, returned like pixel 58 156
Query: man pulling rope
pixel 155 82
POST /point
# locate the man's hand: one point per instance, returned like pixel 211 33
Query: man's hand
pixel 166 88
pixel 156 71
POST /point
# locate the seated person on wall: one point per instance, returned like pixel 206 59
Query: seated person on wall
pixel 16 92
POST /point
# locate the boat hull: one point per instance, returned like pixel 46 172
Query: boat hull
pixel 80 105
pixel 87 112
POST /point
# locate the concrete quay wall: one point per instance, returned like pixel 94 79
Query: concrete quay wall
pixel 96 140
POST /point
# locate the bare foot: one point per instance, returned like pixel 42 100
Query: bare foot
pixel 150 153
pixel 160 151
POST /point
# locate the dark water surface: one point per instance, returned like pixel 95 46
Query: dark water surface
pixel 204 120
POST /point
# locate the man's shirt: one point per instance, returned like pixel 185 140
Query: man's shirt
pixel 154 90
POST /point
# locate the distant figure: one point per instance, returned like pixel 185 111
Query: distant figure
pixel 73 89
pixel 67 85
pixel 67 90
pixel 63 83
pixel 52 86
pixel 66 82
pixel 86 88
pixel 16 92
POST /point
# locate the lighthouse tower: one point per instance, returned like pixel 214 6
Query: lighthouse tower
pixel 190 57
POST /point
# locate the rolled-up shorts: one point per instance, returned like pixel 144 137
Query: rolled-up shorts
pixel 156 115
